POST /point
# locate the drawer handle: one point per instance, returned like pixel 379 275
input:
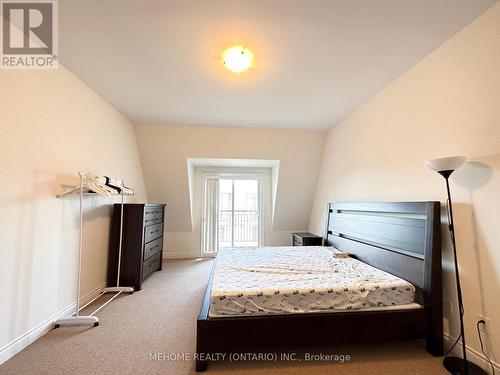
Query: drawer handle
pixel 154 247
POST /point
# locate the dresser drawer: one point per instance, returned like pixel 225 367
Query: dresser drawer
pixel 149 216
pixel 297 240
pixel 313 241
pixel 153 232
pixel 151 265
pixel 151 248
pixel 158 218
pixel 306 239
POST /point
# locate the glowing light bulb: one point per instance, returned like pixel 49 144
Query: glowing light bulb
pixel 237 59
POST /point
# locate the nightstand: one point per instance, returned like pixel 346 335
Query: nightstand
pixel 306 239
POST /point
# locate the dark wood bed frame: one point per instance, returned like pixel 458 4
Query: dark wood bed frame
pixel 400 238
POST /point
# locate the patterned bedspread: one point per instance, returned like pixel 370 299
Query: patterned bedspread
pixel 281 280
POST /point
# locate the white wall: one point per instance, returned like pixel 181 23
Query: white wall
pixel 51 126
pixel 164 150
pixel 448 104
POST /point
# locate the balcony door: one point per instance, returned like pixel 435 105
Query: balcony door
pixel 232 212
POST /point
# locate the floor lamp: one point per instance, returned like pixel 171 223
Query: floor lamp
pixel 455 365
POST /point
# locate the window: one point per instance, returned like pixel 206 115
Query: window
pixel 232 212
pixel 239 212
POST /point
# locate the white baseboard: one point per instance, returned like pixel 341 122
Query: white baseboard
pixel 472 355
pixel 181 254
pixel 14 347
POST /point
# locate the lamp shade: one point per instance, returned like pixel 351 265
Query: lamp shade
pixel 446 164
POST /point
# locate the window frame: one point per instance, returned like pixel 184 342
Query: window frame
pixel 234 176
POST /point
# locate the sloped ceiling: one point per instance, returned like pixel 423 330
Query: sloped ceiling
pixel 158 61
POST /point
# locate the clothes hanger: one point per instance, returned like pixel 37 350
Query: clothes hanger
pixel 96 188
pixel 99 186
pixel 119 186
pixel 104 186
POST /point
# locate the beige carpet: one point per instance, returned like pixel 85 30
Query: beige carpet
pixel 161 319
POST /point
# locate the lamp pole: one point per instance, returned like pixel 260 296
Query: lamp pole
pixel 455 365
pixel 451 227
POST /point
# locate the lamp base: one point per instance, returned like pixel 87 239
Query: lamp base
pixel 455 366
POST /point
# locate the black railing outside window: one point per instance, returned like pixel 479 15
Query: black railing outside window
pixel 246 227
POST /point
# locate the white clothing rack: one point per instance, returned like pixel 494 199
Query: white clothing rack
pixel 91 185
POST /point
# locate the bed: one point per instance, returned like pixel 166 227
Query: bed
pixel 378 277
pixel 306 279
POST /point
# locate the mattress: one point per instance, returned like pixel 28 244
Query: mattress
pixel 302 279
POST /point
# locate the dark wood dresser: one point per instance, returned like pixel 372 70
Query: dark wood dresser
pixel 142 243
pixel 306 239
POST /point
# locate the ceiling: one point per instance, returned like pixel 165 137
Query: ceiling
pixel 157 61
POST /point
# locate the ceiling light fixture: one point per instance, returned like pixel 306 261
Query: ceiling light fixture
pixel 237 59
